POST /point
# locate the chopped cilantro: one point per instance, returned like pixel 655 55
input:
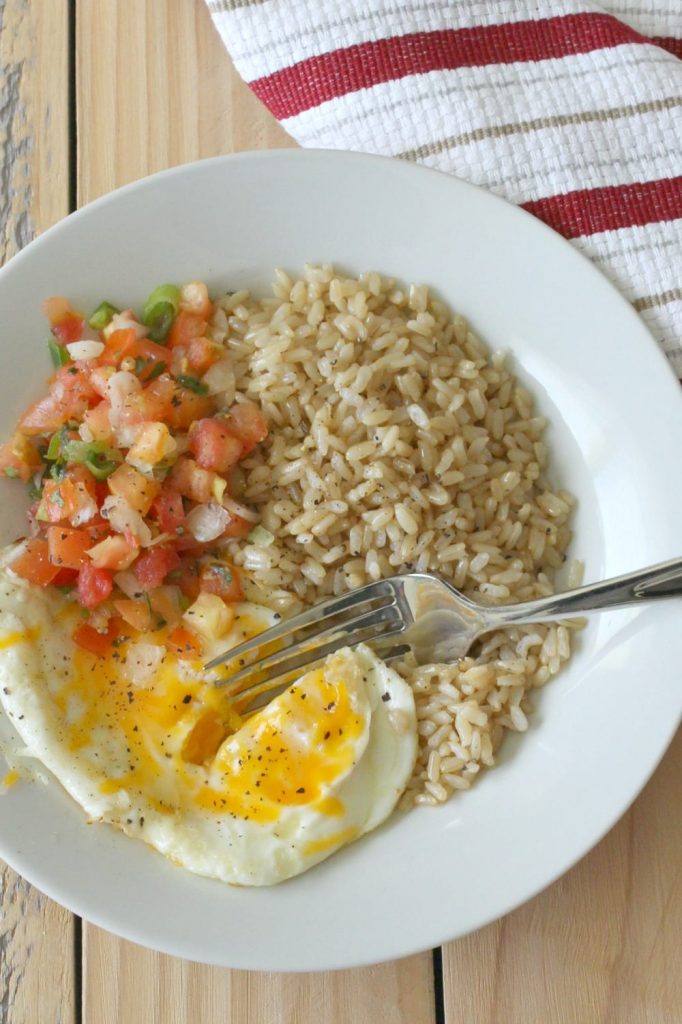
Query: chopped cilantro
pixel 192 384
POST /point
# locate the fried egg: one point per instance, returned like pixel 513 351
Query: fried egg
pixel 249 802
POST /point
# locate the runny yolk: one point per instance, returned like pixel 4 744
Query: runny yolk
pixel 178 743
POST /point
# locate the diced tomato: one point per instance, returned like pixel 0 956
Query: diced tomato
pixel 186 407
pixel 18 458
pixel 221 578
pixel 187 578
pixel 154 565
pixel 186 544
pixel 125 344
pixel 201 353
pixel 56 308
pixel 168 402
pixel 153 443
pixel 247 423
pixel 151 404
pixel 183 643
pixel 94 585
pixel 52 411
pixel 117 346
pixel 67 548
pixel 192 481
pixel 166 603
pixel 98 422
pixel 99 379
pixel 87 637
pixel 185 327
pixel 213 446
pixel 76 380
pixel 152 354
pixel 194 299
pixel 113 552
pixel 33 564
pixel 97 528
pixel 65 578
pixel 72 499
pixel 135 613
pixel 168 509
pixel 68 329
pixel 138 490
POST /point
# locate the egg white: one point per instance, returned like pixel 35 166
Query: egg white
pixel 322 764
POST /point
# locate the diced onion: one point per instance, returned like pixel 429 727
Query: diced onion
pixel 128 582
pixel 142 663
pixel 85 349
pixel 261 537
pixel 209 616
pixel 219 377
pixel 123 518
pixel 122 321
pixel 207 522
pixel 120 386
pixel 85 513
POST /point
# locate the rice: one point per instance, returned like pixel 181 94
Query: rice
pixel 398 442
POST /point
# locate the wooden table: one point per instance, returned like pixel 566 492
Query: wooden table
pixel 96 93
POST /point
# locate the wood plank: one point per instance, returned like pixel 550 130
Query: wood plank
pixel 122 982
pixel 602 945
pixel 180 100
pixel 36 936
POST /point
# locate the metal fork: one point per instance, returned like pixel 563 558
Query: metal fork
pixel 420 612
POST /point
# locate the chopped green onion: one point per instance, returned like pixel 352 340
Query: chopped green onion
pixel 103 316
pixel 100 467
pixel 192 384
pixel 95 456
pixel 65 588
pixel 11 472
pixel 57 471
pixel 55 448
pixel 58 354
pixel 160 310
pixel 79 451
pixel 156 371
pixel 259 535
pixel 35 491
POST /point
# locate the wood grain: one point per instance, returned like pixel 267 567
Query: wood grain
pixel 602 945
pixel 167 94
pixel 122 982
pixel 36 936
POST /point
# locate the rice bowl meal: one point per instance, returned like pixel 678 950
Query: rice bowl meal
pixel 200 470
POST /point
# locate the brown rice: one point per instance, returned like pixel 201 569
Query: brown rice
pixel 398 442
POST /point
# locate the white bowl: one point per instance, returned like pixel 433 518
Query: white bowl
pixel 599 729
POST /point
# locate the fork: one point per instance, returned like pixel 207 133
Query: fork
pixel 420 612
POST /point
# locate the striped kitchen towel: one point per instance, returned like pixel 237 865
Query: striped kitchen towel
pixel 570 109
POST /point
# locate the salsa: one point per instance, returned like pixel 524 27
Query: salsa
pixel 129 459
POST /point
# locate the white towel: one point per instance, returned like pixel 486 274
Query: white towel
pixel 570 109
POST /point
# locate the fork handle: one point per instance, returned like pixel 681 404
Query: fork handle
pixel 658 581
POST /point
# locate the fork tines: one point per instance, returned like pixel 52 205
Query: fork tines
pixel 370 613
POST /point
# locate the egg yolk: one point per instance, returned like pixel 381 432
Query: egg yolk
pixel 178 742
